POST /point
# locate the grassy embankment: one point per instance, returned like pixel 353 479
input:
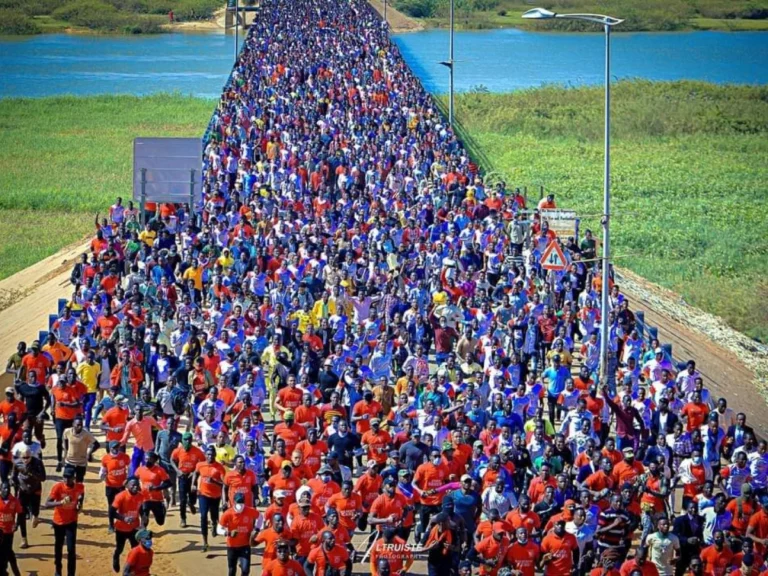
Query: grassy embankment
pixel 690 167
pixel 649 15
pixel 64 159
pixel 689 179
pixel 108 16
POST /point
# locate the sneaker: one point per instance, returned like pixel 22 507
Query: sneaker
pixel 205 548
pixel 24 544
pixel 59 466
pixel 193 508
pixel 35 521
pixel 111 530
pixel 116 565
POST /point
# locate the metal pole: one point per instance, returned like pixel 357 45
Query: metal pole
pixel 606 213
pixel 143 199
pixel 191 196
pixel 237 13
pixel 450 71
pixel 385 10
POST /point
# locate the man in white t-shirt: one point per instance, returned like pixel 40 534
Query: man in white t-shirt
pixel 663 548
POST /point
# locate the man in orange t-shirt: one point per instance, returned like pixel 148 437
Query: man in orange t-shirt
pixel 717 557
pixel 368 486
pixel 271 535
pixel 364 411
pixel 376 442
pixel 428 478
pixel 64 498
pixel 312 450
pixel 114 472
pixel 141 556
pixel 491 551
pixel 10 508
pixel 289 431
pixel 283 564
pixel 241 522
pixel 328 554
pixel 286 482
pixel 524 554
pixel 757 527
pixel 125 513
pixel 107 323
pixel 36 361
pixel 208 482
pixel 240 481
pixel 114 420
pixel 154 480
pixel 304 526
pixel 348 504
pixel 185 459
pixel 560 551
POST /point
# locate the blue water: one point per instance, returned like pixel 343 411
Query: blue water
pixel 503 60
pixel 500 60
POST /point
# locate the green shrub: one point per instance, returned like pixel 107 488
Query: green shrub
pixel 15 22
pixel 417 8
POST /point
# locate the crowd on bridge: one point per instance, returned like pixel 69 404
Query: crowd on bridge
pixel 353 335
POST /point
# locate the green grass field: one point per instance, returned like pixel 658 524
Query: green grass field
pixel 690 174
pixel 689 185
pixel 64 159
pixel 649 15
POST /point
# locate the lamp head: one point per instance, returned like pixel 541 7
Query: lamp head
pixel 538 14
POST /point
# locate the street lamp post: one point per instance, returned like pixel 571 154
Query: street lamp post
pixel 449 64
pixel 385 10
pixel 607 23
pixel 237 14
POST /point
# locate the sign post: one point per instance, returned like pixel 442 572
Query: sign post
pixel 165 170
pixel 553 258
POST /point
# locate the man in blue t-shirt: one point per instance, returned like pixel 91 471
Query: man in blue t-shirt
pixel 555 377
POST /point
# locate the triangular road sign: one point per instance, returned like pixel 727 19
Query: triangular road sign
pixel 553 258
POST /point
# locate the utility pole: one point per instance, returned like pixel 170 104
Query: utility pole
pixel 237 22
pixel 449 64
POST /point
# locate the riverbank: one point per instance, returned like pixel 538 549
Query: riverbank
pixel 20 17
pixel 649 16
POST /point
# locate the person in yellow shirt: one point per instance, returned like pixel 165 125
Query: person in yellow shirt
pixel 303 316
pixel 225 260
pixel 270 359
pixel 88 373
pixel 194 273
pixel 323 308
pixel 148 235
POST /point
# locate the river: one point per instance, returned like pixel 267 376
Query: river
pixel 500 60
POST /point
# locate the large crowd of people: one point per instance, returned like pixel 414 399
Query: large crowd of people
pixel 353 335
